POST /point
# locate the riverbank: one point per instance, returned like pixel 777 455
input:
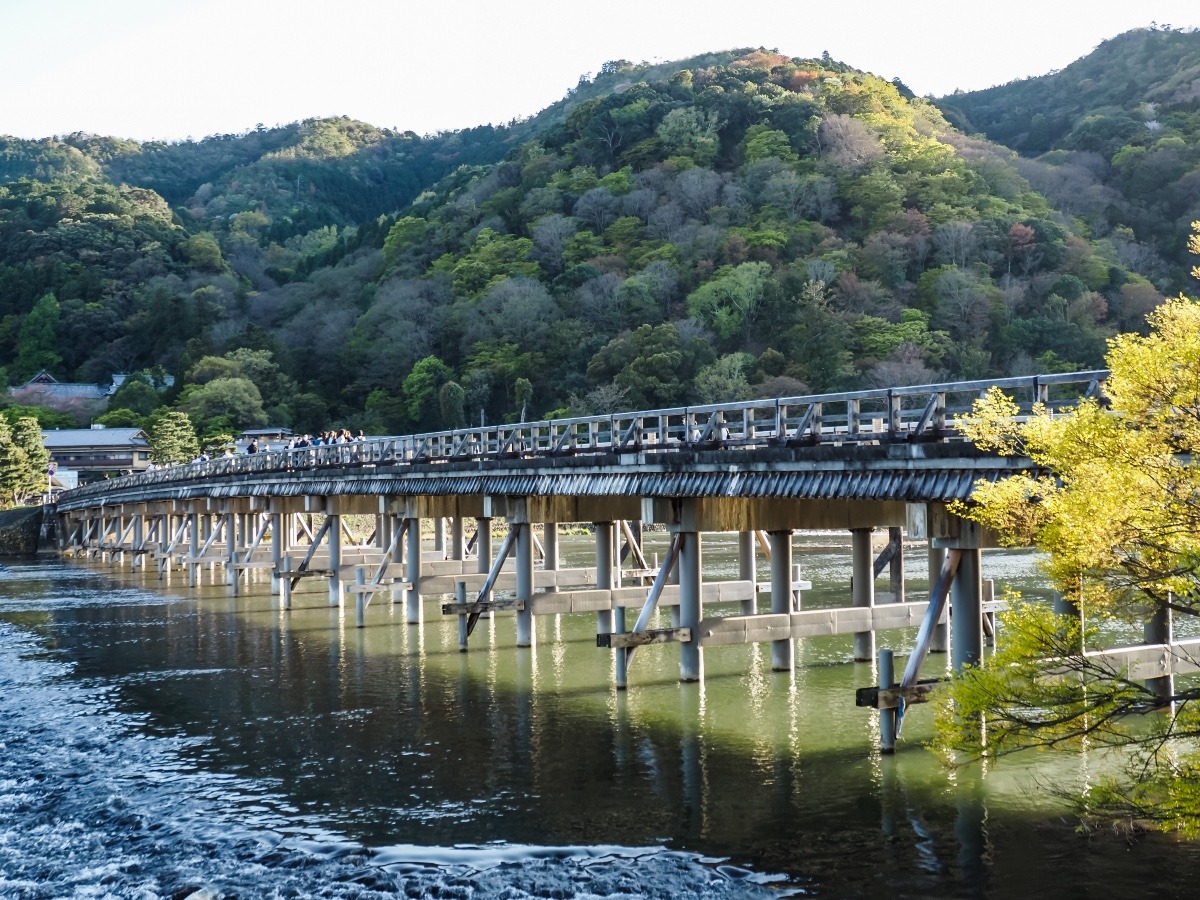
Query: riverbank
pixel 20 530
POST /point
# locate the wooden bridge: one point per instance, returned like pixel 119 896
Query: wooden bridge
pixel 885 460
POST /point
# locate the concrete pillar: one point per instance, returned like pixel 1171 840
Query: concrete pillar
pixel 783 651
pixel 691 608
pixel 1159 630
pixel 887 717
pixel 458 544
pixel 439 534
pixel 524 554
pixel 550 546
pixel 748 569
pixel 940 643
pixel 896 566
pixel 863 569
pixel 604 573
pixel 333 536
pixel 138 560
pixel 412 573
pixel 277 549
pixel 231 575
pixel 483 545
pixel 966 612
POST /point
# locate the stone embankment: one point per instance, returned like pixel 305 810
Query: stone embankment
pixel 20 530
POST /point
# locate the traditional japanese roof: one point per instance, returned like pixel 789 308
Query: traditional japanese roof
pixel 67 438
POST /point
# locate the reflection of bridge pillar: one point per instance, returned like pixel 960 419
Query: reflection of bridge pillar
pixel 783 651
pixel 412 574
pixel 863 569
pixel 604 573
pixel 941 633
pixel 524 554
pixel 458 544
pixel 966 611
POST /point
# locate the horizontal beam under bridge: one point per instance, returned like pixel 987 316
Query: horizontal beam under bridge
pixel 718 630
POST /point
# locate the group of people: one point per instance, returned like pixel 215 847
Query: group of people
pixel 325 437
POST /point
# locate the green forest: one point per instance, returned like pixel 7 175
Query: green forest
pixel 742 224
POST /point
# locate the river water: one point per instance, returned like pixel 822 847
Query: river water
pixel 160 741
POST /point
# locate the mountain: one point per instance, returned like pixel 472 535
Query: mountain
pixel 1114 138
pixel 734 225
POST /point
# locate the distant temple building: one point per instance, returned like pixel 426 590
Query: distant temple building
pixel 82 401
pixel 97 451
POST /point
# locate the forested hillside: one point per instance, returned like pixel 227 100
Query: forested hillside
pixel 736 225
pixel 1113 138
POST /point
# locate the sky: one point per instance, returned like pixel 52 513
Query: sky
pixel 174 69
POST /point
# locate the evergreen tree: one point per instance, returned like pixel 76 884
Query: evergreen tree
pixel 27 436
pixel 38 338
pixel 173 440
pixel 12 466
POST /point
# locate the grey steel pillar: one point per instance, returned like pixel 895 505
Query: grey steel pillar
pixel 333 535
pixel 458 545
pixel 439 534
pixel 863 568
pixel 1158 630
pixel 940 643
pixel 691 608
pixel 193 547
pixel 783 651
pixel 966 612
pixel 604 573
pixel 524 554
pixel 887 717
pixel 412 572
pixel 483 545
pixel 748 570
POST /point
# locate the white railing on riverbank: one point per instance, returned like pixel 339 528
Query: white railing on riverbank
pixel 917 413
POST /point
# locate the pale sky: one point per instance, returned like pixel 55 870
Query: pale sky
pixel 170 69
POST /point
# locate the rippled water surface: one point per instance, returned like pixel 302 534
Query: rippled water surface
pixel 160 741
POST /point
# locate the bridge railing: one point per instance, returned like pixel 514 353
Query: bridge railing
pixel 917 413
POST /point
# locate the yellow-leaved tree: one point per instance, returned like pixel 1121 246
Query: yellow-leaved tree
pixel 1117 514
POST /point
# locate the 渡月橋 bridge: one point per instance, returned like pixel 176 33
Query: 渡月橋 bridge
pixel 889 460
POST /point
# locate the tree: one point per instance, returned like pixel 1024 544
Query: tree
pixel 421 390
pixel 12 466
pixel 37 341
pixel 35 458
pixel 1117 518
pixel 728 303
pixel 173 439
pixel 236 398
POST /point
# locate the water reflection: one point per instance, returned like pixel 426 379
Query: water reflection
pixel 392 737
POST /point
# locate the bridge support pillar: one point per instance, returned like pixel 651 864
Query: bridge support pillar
pixel 966 611
pixel 1159 630
pixel 483 545
pixel 333 536
pixel 277 548
pixel 439 535
pixel 863 588
pixel 193 568
pixel 896 565
pixel 524 555
pixel 412 558
pixel 458 544
pixel 782 651
pixel 138 560
pixel 748 569
pixel 550 555
pixel 604 573
pixel 940 643
pixel 691 607
pixel 231 530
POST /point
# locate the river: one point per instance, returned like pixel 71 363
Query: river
pixel 160 741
